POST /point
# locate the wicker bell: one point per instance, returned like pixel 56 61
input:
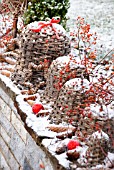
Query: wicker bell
pixel 96 119
pixel 61 70
pixel 97 148
pixel 70 102
pixel 38 50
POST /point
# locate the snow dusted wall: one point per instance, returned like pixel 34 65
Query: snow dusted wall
pixel 20 147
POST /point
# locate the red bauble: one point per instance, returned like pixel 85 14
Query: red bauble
pixel 37 107
pixel 72 144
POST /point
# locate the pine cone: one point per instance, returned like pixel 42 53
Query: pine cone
pixel 59 129
pixel 30 102
pixel 30 98
pixel 73 155
pixel 61 149
pixel 6 73
pixel 66 134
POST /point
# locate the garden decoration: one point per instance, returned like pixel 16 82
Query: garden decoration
pixel 61 70
pixel 70 103
pixel 42 24
pixel 72 144
pixel 97 145
pixel 76 102
pixel 41 43
pixel 37 107
pixel 96 119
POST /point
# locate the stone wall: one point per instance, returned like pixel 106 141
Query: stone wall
pixel 20 147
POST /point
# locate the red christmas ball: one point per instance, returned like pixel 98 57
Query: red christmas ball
pixel 72 144
pixel 37 107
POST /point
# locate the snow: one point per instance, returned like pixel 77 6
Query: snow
pixel 100 15
pixel 77 83
pixel 82 160
pixel 40 124
pixel 100 135
pixel 108 111
pixel 100 72
pixel 37 24
pixel 6 24
pixel 109 159
pixel 10 84
pixel 59 28
pixel 51 145
pixel 64 60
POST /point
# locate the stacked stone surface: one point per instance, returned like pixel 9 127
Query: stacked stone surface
pixel 38 50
